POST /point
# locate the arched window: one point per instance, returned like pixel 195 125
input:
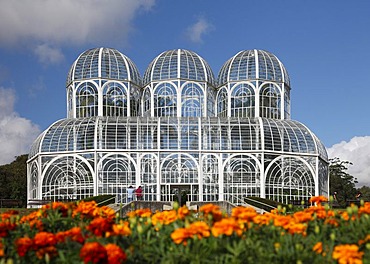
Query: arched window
pixel 70 102
pixel 242 101
pixel 211 98
pixel 165 97
pixel 287 179
pixel 222 103
pixel 86 100
pixel 114 100
pixel 192 101
pixel 270 101
pixel 146 101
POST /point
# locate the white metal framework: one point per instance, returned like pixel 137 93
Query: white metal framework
pixel 178 131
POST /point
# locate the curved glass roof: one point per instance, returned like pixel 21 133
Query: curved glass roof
pixel 105 63
pixel 138 133
pixel 252 65
pixel 178 64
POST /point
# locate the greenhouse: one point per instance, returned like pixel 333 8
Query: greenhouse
pixel 177 130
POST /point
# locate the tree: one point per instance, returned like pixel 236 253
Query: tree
pixel 13 179
pixel 340 181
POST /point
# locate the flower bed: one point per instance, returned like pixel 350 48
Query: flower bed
pixel 84 232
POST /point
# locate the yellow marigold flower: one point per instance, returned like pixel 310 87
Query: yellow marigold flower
pixel 123 229
pixel 318 199
pixel 226 226
pixel 244 213
pixel 347 254
pixel 115 254
pixel 211 209
pixel 317 248
pixel 164 218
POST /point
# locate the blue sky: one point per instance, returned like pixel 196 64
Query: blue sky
pixel 324 45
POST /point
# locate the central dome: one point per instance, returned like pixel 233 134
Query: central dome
pixel 178 64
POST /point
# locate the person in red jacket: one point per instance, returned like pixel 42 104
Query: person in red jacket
pixel 139 193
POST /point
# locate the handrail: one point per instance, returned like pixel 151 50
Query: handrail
pixel 255 201
pixel 114 197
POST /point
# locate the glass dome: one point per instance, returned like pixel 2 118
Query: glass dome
pixel 105 63
pixel 178 64
pixel 253 65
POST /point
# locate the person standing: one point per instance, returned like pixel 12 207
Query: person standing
pixel 139 193
pixel 130 194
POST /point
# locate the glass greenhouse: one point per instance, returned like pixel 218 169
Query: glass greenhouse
pixel 178 130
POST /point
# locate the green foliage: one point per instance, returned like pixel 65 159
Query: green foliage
pixel 341 181
pixel 13 180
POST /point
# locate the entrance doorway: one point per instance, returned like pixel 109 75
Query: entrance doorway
pixel 179 193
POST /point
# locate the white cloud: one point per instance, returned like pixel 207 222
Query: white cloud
pixel 16 133
pixel 357 151
pixel 68 21
pixel 48 55
pixel 196 31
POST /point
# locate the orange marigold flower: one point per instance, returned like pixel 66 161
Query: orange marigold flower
pixel 264 219
pixel 74 234
pixel 282 220
pixel 181 234
pixel 318 199
pixel 23 245
pixel 331 221
pixel 123 229
pixel 302 217
pixel 86 209
pixel 2 254
pixel 100 225
pixel 164 218
pixel 33 220
pixel 50 250
pixel 317 248
pixel 8 214
pixel 105 211
pixel 226 226
pixel 363 241
pixel 115 254
pixel 213 210
pixel 93 252
pixel 58 206
pixel 5 227
pixel 244 213
pixel 347 254
pixel 44 239
pixel 297 228
pixel 146 212
pixel 182 212
pixel 365 209
pixel 200 228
